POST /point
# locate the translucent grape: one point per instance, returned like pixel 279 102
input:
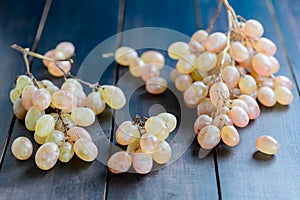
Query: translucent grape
pixel 149 143
pixel 283 81
pixel 74 82
pixel 85 150
pixel 67 48
pixel 55 71
pixel 169 119
pixel 119 162
pixel 266 96
pixel 173 75
pixel 44 125
pixel 221 120
pixel 142 162
pixel 14 94
pixel 38 139
pixel 200 36
pixel 265 46
pixel 63 100
pixel 209 137
pixel 81 99
pixel 253 28
pixel 230 76
pixel 163 133
pixel 124 55
pixel 149 71
pixel 238 116
pixel 195 93
pixel 196 75
pixel 283 95
pixel 275 65
pixel 41 99
pixel 163 154
pixel 83 116
pixel 183 82
pixel 22 148
pixel 32 117
pixel 253 111
pixel 247 84
pixel 27 96
pixel 19 109
pixel 47 155
pixel 206 61
pixel 56 137
pixel 153 57
pixel 136 66
pixel 205 107
pixel 70 87
pixel 201 122
pixel 23 81
pixel 156 85
pixel 154 125
pixel 218 92
pixel 95 102
pixel 178 50
pixel 262 64
pixel 267 144
pixel 215 42
pixel 195 47
pixel 127 133
pixel 66 152
pixel 186 64
pixel 50 54
pixel 230 136
pixel 75 133
pixel 112 96
pixel 238 51
pixel 227 59
pixel 48 85
pixel 133 146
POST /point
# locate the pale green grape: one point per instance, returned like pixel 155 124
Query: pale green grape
pixel 63 100
pixel 230 135
pixel 238 51
pixel 67 48
pixel 178 50
pixel 85 150
pixel 47 155
pixel 186 64
pixel 253 111
pixel 205 107
pixel 195 93
pixel 183 82
pixel 262 64
pixel 127 133
pixel 19 109
pixel 22 148
pixel 95 102
pixel 113 96
pixel 56 137
pixel 163 154
pixel 124 55
pixel 27 96
pixel 83 116
pixel 154 125
pixel 38 139
pixel 75 133
pixel 169 119
pixel 201 122
pixel 142 162
pixel 23 81
pixel 266 96
pixel 44 125
pixel 283 95
pixel 247 84
pixel 32 117
pixel 196 75
pixel 153 57
pixel 119 162
pixel 48 85
pixel 136 66
pixel 66 152
pixel 230 76
pixel 206 61
pixel 200 36
pixel 14 94
pixel 218 92
pixel 174 74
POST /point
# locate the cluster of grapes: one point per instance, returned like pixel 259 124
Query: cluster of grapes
pixel 146 142
pixel 223 75
pixel 57 115
pixel 147 67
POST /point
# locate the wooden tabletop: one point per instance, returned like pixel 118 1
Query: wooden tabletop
pixel 226 173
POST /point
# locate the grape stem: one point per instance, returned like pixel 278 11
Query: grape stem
pixel 213 19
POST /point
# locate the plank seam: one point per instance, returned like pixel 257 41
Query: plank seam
pixel 217 173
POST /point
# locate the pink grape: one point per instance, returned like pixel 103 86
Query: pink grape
pixel 41 99
pixel 149 71
pixel 238 116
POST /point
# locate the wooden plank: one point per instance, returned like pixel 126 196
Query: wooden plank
pixel 17 25
pixel 187 177
pixel 83 24
pixel 243 172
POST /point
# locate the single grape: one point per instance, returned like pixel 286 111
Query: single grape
pixel 275 65
pixel 22 148
pixel 44 125
pixel 153 57
pixel 178 50
pixel 136 66
pixel 186 64
pixel 127 133
pixel 262 64
pixel 238 51
pixel 265 46
pixel 201 122
pixel 41 99
pixel 119 162
pixel 163 154
pixel 27 96
pixel 218 92
pixel 205 107
pixel 142 162
pixel 81 99
pixel 183 82
pixel 83 116
pixel 253 108
pixel 85 150
pixel 95 102
pixel 209 137
pixel 169 119
pixel 247 84
pixel 55 71
pixel 75 133
pixel 149 143
pixel 47 155
pixel 215 42
pixel 221 120
pixel 74 82
pixel 206 61
pixel 112 96
pixel 266 96
pixel 66 152
pixel 195 93
pixel 32 117
pixel 154 125
pixel 230 135
pixel 200 36
pixel 124 55
pixel 56 137
pixel 38 139
pixel 227 59
pixel 283 81
pixel 230 76
pixel 149 71
pixel 63 100
pixel 283 95
pixel 163 133
pixel 67 48
pixel 195 47
pixel 238 116
pixel 253 28
pixel 48 85
pixel 23 81
pixel 14 94
pixel 267 144
pixel 240 103
pixel 156 85
pixel 19 109
pixel 49 54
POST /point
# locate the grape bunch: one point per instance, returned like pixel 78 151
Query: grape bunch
pixel 146 141
pixel 58 115
pixel 223 74
pixel 147 67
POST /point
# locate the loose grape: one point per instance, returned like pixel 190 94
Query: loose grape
pixel 44 125
pixel 265 46
pixel 178 50
pixel 95 102
pixel 238 51
pixel 136 66
pixel 206 61
pixel 163 154
pixel 230 76
pixel 169 119
pixel 156 85
pixel 238 116
pixel 201 122
pixel 142 162
pixel 215 42
pixel 67 48
pixel 266 96
pixel 149 71
pixel 85 150
pixel 200 36
pixel 63 100
pixel 83 116
pixel 27 96
pixel 66 152
pixel 149 143
pixel 247 84
pixel 218 92
pixel 75 133
pixel 183 82
pixel 209 137
pixel 127 133
pixel 262 64
pixel 253 111
pixel 47 155
pixel 41 99
pixel 267 144
pixel 22 148
pixel 22 81
pixel 19 109
pixel 124 55
pixel 153 57
pixel 283 95
pixel 56 137
pixel 119 162
pixel 195 93
pixel 253 28
pixel 186 64
pixel 32 117
pixel 230 135
pixel 113 96
pixel 55 71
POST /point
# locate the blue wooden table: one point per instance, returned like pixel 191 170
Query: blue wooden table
pixel 226 173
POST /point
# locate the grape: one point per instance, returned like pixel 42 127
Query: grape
pixel 267 144
pixel 253 108
pixel 154 125
pixel 95 102
pixel 178 50
pixel 163 133
pixel 206 61
pixel 253 28
pixel 195 93
pixel 238 51
pixel 119 162
pixel 55 71
pixel 149 143
pixel 85 150
pixel 227 59
pixel 153 57
pixel 163 154
pixel 240 103
pixel 265 46
pixel 218 92
pixel 23 81
pixel 247 84
pixel 215 42
pixel 124 55
pixel 186 65
pixel 231 76
pixel 169 119
pixel 283 95
pixel 275 65
pixel 221 120
pixel 47 155
pixel 195 47
pixel 81 99
pixel 113 96
pixel 67 48
pixel 136 66
pixel 56 137
pixel 74 82
pixel 283 81
pixel 22 148
pixel 142 162
pixel 262 64
pixel 201 122
pixel 209 137
pixel 205 107
pixel 70 87
pixel 200 36
pixel 63 100
pixel 238 116
pixel 149 71
pixel 19 109
pixel 230 135
pixel 14 94
pixel 173 75
pixel 266 96
pixel 156 85
pixel 32 117
pixel 83 116
pixel 127 133
pixel 49 54
pixel 41 99
pixel 44 125
pixel 183 82
pixel 75 133
pixel 38 139
pixel 48 85
pixel 27 96
pixel 133 146
pixel 66 152
pixel 196 75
